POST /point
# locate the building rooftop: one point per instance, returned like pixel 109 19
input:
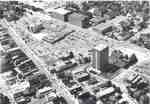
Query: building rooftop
pixel 1 48
pixel 110 23
pixel 59 10
pixel 101 46
pixel 77 16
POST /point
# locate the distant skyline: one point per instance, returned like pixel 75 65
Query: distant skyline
pixel 69 0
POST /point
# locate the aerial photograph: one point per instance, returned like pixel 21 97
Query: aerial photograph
pixel 74 52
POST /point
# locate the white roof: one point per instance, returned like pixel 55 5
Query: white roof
pixel 39 36
pixel 105 92
pixel 1 48
pixel 61 11
pixel 101 47
pixel 58 10
pixel 20 86
pixel 44 89
pixel 92 10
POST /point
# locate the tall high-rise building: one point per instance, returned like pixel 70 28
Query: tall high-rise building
pixel 100 57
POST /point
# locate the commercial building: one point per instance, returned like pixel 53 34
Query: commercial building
pixel 36 28
pixel 122 60
pixel 44 91
pixel 97 20
pixel 79 20
pixel 60 13
pixel 100 57
pixel 82 76
pixel 106 91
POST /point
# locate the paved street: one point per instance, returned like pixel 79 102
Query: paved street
pixel 40 64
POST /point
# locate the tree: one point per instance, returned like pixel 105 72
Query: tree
pixel 143 25
pixel 85 6
pixel 133 59
pixel 72 6
pixel 4 99
pixel 1 13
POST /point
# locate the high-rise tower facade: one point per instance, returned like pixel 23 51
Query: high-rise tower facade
pixel 100 57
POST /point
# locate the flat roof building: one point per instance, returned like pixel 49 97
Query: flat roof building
pixel 78 19
pixel 60 13
pixel 100 57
